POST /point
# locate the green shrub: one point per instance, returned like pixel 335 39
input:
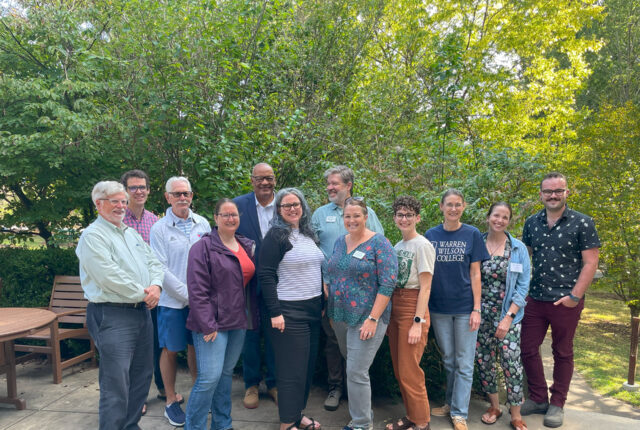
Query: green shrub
pixel 27 274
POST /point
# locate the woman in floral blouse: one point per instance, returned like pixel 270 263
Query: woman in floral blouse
pixel 361 275
pixel 505 285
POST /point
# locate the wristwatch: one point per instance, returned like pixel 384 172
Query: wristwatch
pixel 375 320
pixel 419 320
pixel 574 298
pixel 512 315
pixel 478 310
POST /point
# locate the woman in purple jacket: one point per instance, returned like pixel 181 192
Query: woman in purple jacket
pixel 221 309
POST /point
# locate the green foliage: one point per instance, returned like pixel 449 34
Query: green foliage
pixel 606 165
pixel 27 274
pixel 610 193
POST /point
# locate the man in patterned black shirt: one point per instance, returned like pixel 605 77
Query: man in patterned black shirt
pixel 564 247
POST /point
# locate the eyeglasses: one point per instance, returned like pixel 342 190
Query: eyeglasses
pixel 549 193
pixel 133 189
pixel 263 178
pixel 115 202
pixel 178 194
pixel 356 201
pixel 409 216
pixel 229 215
pixel 289 206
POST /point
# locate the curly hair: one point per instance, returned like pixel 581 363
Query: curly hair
pixel 406 202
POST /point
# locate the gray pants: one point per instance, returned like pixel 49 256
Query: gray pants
pixel 360 355
pixel 124 338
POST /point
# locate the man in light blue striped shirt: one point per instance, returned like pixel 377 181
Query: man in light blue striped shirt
pixel 171 240
pixel 122 280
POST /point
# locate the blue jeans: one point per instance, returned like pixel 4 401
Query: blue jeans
pixel 212 389
pixel 124 339
pixel 251 362
pixel 360 355
pixel 458 347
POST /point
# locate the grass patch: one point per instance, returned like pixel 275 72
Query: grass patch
pixel 601 346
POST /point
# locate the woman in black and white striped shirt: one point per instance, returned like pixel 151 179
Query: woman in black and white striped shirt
pixel 291 282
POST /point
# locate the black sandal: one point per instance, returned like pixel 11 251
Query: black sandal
pixel 403 423
pixel 313 425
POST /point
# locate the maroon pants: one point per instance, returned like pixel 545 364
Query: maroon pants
pixel 538 316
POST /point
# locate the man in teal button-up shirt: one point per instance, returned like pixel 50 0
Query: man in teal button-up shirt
pixel 122 280
pixel 327 221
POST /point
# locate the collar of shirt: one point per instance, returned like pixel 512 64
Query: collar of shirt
pixel 335 207
pixel 176 219
pixel 270 205
pixel 129 213
pixel 542 215
pixel 123 227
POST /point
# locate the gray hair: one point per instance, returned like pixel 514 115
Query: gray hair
pixel 278 223
pixel 173 179
pixel 346 174
pixel 104 189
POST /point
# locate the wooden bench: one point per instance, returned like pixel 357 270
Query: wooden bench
pixel 68 302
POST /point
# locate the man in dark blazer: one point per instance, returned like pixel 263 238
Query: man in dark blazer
pixel 256 210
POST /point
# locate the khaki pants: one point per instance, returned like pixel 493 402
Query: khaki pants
pixel 406 358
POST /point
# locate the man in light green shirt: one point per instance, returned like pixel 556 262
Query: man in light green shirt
pixel 122 280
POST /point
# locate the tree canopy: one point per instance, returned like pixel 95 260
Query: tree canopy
pixel 415 95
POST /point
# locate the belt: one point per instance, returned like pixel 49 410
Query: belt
pixel 139 305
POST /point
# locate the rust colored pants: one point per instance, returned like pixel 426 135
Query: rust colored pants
pixel 406 358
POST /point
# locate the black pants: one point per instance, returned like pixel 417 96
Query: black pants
pixel 157 376
pixel 295 352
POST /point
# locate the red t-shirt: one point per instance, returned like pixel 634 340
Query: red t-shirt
pixel 248 268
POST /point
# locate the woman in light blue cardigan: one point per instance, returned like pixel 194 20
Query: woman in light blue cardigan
pixel 505 285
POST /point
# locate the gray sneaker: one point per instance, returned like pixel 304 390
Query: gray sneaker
pixel 530 407
pixel 333 399
pixel 554 416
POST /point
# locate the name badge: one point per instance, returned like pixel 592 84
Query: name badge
pixel 331 218
pixel 516 267
pixel 358 255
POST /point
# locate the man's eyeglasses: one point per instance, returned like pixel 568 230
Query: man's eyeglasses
pixel 133 189
pixel 115 202
pixel 409 216
pixel 178 194
pixel 229 215
pixel 263 178
pixel 288 206
pixel 549 193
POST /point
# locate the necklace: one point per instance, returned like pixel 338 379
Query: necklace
pixel 493 250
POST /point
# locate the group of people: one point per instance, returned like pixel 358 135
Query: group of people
pixel 272 270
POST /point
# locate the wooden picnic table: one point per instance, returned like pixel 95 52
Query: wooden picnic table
pixel 14 324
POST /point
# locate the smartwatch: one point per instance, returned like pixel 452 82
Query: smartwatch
pixel 512 315
pixel 375 320
pixel 419 320
pixel 574 298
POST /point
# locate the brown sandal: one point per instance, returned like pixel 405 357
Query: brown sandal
pixel 493 412
pixel 402 424
pixel 518 425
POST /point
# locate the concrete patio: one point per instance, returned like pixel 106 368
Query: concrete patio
pixel 74 405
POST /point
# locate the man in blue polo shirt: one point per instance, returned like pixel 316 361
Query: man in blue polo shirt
pixel 328 224
pixel 563 244
pixel 171 239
